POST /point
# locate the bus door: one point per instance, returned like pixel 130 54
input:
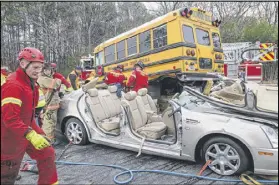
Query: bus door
pixel 205 55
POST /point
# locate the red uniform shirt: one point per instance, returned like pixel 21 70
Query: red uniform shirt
pixel 115 77
pixel 63 80
pixel 18 102
pixel 138 80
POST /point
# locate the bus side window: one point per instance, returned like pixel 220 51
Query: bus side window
pixel 109 54
pixel 132 45
pixel 145 42
pixel 120 48
pixel 216 40
pixel 160 36
pixel 99 58
pixel 188 34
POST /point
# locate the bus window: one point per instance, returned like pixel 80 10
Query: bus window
pixel 160 36
pixel 216 40
pixel 144 39
pixel 109 54
pixel 203 37
pixel 120 48
pixel 132 45
pixel 99 58
pixel 188 34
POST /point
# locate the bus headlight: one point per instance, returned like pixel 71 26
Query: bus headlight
pixel 272 135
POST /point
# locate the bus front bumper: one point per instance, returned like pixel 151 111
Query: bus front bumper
pixel 185 77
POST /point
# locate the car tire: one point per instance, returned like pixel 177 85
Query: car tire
pixel 240 161
pixel 75 128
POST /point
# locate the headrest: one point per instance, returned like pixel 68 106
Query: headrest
pixel 102 86
pixel 90 84
pixel 112 89
pixel 93 92
pixel 142 92
pixel 130 95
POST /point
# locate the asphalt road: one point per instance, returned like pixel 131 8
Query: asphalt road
pixel 106 155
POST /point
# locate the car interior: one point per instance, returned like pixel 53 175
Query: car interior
pixel 139 108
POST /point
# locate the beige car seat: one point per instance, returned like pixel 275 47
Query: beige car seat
pixel 106 112
pixel 139 118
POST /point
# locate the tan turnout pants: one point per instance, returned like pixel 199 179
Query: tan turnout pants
pixel 49 123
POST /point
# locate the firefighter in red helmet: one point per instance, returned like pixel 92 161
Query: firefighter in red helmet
pixel 19 131
pixel 117 78
pixel 138 78
pixel 61 77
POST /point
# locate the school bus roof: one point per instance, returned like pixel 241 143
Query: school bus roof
pixel 144 27
pixel 134 30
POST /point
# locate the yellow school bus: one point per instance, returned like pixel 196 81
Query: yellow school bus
pixel 178 48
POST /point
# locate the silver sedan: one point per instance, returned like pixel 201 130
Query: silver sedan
pixel 194 127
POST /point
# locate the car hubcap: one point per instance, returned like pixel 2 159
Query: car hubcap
pixel 224 158
pixel 74 133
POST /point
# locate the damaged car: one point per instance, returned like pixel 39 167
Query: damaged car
pixel 195 127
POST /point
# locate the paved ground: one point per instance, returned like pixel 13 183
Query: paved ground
pixel 106 155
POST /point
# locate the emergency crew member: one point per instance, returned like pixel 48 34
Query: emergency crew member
pixel 4 75
pixel 73 78
pixel 19 131
pixel 49 86
pixel 61 77
pixel 138 78
pixel 39 108
pixel 90 77
pixel 117 78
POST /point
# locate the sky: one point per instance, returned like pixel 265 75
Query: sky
pixel 150 5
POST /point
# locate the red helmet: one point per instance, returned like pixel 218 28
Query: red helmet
pixel 140 64
pixel 120 66
pixel 53 65
pixel 31 55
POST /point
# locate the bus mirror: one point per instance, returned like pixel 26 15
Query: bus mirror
pixel 216 23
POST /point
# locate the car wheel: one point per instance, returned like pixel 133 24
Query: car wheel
pixel 76 132
pixel 227 157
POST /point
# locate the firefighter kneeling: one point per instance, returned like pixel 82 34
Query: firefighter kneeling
pixel 138 78
pixel 117 78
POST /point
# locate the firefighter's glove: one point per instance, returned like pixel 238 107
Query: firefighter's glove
pixel 37 140
pixel 68 90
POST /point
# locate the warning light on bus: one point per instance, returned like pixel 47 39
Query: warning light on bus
pixel 186 13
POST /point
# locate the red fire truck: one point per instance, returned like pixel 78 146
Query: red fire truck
pixel 87 65
pixel 249 59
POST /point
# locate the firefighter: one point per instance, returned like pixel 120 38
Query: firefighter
pixel 4 74
pixel 61 77
pixel 91 76
pixel 19 131
pixel 138 78
pixel 39 108
pixel 74 78
pixel 117 78
pixel 50 86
